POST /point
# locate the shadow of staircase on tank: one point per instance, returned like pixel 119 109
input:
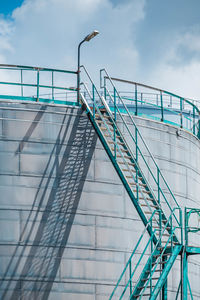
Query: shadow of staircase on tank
pixel 38 269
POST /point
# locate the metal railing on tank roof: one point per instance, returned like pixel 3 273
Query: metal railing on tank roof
pixel 169 107
pixel 27 83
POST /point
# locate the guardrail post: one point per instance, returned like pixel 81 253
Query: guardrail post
pixel 184 288
pixel 198 133
pixel 115 109
pixel 157 99
pixel 171 226
pixel 136 101
pixel 158 184
pixel 22 83
pixel 38 78
pixel 151 265
pixel 181 224
pixel 186 227
pixel 170 101
pixel 164 289
pixel 115 118
pixel 193 120
pixel 136 144
pixel 161 104
pixel 181 112
pixel 141 98
pixel 52 81
pixel 130 273
pixel 136 157
pixel 105 93
pixel 93 96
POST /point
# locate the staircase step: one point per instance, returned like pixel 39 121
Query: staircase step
pixel 159 263
pixel 105 129
pixel 142 287
pixel 124 156
pixel 121 162
pixel 153 278
pixel 126 170
pixel 118 143
pixel 102 122
pixel 165 254
pixel 108 135
pixel 145 205
pixel 139 178
pixel 162 227
pixel 140 184
pixel 143 191
pixel 150 213
pixel 148 199
pixel 122 150
pixel 138 295
pixel 105 116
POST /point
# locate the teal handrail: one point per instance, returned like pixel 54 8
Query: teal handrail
pixel 134 251
pixel 52 75
pixel 115 143
pixel 143 143
pixel 170 239
pixel 195 112
pixel 114 140
pixel 188 228
pixel 101 99
pixel 159 259
pixel 174 111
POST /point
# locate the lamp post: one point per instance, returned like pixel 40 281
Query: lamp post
pixel 86 39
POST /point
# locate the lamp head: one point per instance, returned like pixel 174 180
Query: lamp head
pixel 91 35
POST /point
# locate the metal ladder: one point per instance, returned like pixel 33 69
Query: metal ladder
pixel 127 150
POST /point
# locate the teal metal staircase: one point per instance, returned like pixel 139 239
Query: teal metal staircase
pixel 155 202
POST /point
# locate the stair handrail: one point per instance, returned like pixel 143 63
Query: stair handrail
pixel 173 229
pixel 147 148
pixel 146 161
pixel 110 114
pixel 134 250
pixel 159 259
pixel 104 102
pixel 122 155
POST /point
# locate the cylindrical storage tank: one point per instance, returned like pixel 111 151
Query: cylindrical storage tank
pixel 67 223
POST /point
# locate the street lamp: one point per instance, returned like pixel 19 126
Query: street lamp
pixel 86 39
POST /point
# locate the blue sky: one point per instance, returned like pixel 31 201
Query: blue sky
pixel 150 41
pixel 7 6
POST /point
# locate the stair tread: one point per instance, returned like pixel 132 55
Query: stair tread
pixel 120 147
pixel 121 162
pixel 145 205
pixel 108 135
pixel 112 142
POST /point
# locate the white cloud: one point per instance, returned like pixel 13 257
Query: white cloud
pixel 5 34
pixel 47 32
pixel 179 70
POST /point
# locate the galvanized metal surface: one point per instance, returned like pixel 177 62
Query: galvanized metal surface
pixel 153 207
pixel 39 258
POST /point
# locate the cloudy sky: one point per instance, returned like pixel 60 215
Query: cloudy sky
pixel 155 42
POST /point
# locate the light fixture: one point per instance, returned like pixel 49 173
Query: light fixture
pixel 86 39
pixel 91 35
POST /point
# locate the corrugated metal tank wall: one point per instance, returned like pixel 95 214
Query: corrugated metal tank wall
pixel 67 224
